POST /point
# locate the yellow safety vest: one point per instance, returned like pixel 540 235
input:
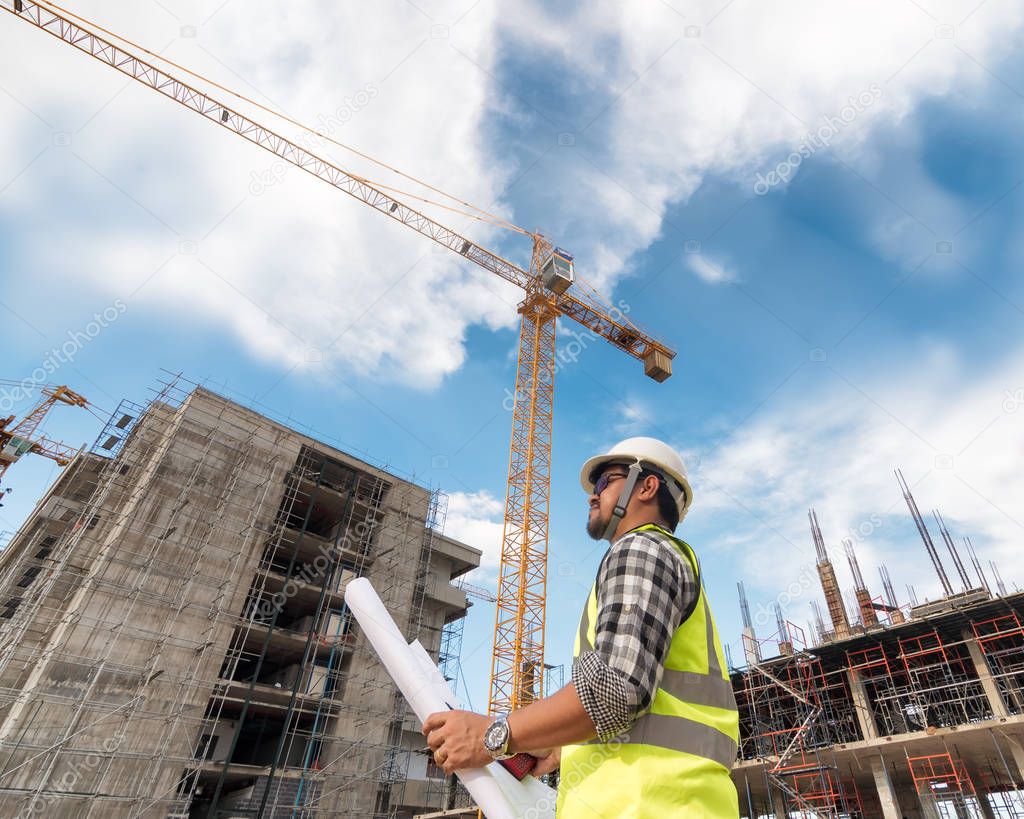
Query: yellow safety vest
pixel 675 760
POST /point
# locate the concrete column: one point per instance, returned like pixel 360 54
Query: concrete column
pixel 865 716
pixel 886 792
pixel 985 805
pixel 995 699
pixel 778 802
pixel 1014 765
pixel 1017 751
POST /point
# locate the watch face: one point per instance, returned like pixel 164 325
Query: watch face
pixel 496 735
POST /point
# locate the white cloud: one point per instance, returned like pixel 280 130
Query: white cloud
pixel 831 440
pixel 371 296
pixel 709 271
pixel 477 519
pixel 633 418
pixel 274 256
pixel 733 89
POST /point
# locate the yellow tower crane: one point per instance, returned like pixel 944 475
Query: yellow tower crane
pixel 550 291
pixel 23 438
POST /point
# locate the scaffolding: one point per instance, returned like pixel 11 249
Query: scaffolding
pixel 998 785
pixel 791 714
pixel 1002 642
pixel 942 681
pixel 943 787
pixel 897 711
pixel 920 682
pixel 173 634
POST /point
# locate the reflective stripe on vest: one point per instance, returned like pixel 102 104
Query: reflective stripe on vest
pixel 685 735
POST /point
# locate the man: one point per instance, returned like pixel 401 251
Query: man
pixel 648 727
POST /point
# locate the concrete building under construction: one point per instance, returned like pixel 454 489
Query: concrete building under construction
pixel 887 711
pixel 173 637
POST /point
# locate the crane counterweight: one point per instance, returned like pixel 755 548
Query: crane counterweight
pixel 658 365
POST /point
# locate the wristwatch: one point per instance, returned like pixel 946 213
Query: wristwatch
pixel 496 738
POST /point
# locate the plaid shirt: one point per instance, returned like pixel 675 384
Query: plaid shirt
pixel 644 588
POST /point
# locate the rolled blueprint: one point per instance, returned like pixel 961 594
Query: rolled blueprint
pixel 496 792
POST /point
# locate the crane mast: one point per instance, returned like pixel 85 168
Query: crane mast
pixel 518 660
pixel 517 664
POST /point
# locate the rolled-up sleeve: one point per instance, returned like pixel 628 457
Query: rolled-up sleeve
pixel 644 588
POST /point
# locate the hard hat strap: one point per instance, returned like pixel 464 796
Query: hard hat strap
pixel 675 490
pixel 620 505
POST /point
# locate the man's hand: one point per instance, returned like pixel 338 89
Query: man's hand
pixel 547 762
pixel 457 739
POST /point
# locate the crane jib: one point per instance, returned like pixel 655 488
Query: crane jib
pixel 621 333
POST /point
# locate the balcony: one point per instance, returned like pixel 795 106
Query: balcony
pixel 446 594
pixel 271 700
pixel 305 595
pixel 308 546
pixel 288 645
pixel 464 558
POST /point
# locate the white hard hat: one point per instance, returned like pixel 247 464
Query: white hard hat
pixel 650 453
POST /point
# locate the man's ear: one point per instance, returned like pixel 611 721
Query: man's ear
pixel 648 488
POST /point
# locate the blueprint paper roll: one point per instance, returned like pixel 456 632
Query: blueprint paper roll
pixel 394 652
pixel 494 789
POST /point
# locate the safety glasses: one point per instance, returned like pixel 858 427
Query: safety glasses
pixel 602 483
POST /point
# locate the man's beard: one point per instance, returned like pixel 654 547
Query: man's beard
pixel 596 527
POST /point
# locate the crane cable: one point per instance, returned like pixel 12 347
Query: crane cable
pixel 486 216
pixel 594 297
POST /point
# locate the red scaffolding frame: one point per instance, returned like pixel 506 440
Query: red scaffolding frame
pixel 944 682
pixel 919 682
pixel 1002 642
pixel 942 783
pixel 796 713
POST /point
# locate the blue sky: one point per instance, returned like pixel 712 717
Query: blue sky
pixel 860 315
